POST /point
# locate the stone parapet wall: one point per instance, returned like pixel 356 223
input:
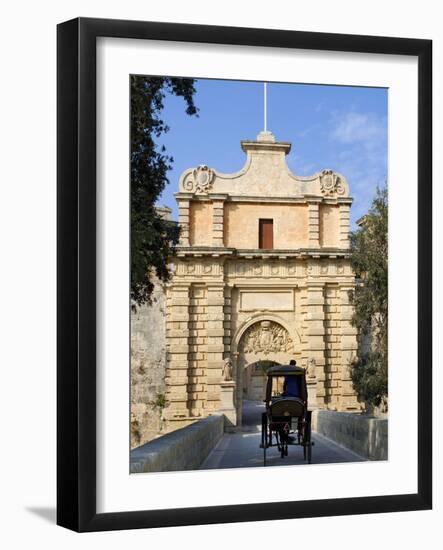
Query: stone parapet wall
pixel 365 435
pixel 183 449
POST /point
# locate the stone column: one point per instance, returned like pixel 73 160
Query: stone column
pixel 215 344
pixel 183 218
pixel 313 224
pixel 177 338
pixel 314 337
pixel 217 219
pixel 343 236
pixel 348 399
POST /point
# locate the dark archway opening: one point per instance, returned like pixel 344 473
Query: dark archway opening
pixel 253 389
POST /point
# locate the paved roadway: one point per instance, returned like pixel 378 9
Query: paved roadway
pixel 242 449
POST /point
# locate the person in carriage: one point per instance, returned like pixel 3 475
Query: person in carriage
pixel 292 384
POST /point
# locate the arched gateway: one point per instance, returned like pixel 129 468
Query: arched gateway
pixel 260 343
pixel 262 273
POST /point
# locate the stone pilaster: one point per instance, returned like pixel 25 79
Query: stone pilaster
pixel 314 341
pixel 183 219
pixel 197 380
pixel 177 338
pixel 348 338
pixel 217 220
pixel 313 224
pixel 215 343
pixel 227 320
pixel 333 346
pixel 343 236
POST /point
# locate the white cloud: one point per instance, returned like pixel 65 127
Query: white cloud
pixel 360 144
pixel 355 127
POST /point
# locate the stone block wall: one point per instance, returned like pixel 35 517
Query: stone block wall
pixel 184 449
pixel 365 435
pixel 148 368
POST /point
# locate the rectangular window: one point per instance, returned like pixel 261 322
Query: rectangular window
pixel 266 234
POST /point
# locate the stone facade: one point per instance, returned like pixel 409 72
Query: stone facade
pixel 231 301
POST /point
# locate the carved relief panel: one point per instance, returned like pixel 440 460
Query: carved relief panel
pixel 266 337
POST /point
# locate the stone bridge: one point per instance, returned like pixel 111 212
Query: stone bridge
pixel 205 445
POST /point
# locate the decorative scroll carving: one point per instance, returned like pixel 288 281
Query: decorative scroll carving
pixel 266 337
pixel 331 184
pixel 188 184
pixel 199 180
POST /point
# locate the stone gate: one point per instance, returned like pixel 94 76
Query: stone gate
pixel 262 273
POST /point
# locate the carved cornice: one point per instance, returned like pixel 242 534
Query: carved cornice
pixel 257 253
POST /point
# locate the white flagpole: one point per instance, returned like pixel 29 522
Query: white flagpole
pixel 265 109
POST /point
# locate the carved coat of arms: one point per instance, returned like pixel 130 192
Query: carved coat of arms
pixel 266 337
pixel 203 177
pixel 330 184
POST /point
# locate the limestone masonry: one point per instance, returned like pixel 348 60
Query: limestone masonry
pixel 262 273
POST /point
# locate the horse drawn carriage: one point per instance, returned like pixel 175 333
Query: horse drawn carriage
pixel 286 420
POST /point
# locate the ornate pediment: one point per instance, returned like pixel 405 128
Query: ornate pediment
pixel 265 163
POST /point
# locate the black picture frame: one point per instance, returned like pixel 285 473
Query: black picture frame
pixel 76 265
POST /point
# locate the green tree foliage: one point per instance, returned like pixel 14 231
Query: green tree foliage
pixel 152 238
pixel 369 245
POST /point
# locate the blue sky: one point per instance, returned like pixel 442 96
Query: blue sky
pixel 338 127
